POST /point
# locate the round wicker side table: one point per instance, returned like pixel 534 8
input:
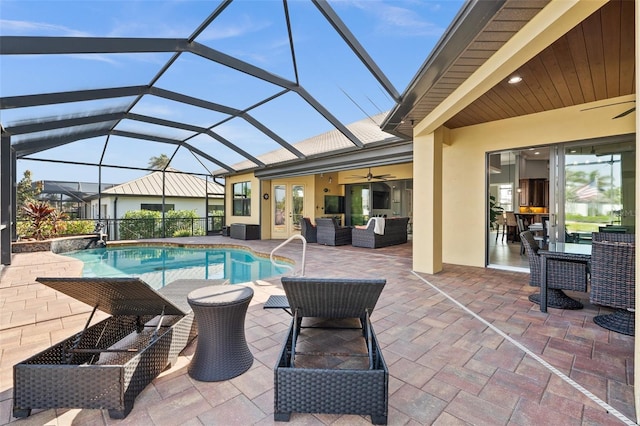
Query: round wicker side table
pixel 221 351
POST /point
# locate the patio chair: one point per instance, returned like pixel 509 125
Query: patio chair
pixel 308 230
pixel 318 388
pixel 331 234
pixel 613 280
pixel 561 275
pixel 512 226
pixel 617 237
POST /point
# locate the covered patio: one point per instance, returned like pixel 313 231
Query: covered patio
pixel 464 346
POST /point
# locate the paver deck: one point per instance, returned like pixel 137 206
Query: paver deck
pixel 464 346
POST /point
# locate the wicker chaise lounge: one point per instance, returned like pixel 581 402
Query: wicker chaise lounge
pixel 108 364
pixel 308 389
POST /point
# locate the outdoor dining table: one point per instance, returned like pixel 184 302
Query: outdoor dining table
pixel 567 252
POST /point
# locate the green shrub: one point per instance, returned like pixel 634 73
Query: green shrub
pixel 78 227
pixel 588 219
pixel 180 221
pixel 137 224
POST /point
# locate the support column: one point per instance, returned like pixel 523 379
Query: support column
pixel 427 202
pixel 6 196
pixel 636 357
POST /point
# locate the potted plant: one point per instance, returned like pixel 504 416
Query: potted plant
pixel 494 211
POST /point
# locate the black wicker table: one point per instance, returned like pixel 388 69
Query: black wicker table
pixel 222 351
pixel 566 252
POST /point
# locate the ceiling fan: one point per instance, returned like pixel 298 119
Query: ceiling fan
pixel 627 112
pixel 370 176
pixel 622 114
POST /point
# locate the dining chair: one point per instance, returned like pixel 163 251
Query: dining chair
pixel 561 275
pixel 512 226
pixel 613 280
pixel 501 222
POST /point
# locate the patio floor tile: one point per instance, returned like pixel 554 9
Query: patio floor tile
pixel 470 362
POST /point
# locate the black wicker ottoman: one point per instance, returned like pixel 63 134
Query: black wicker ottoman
pixel 221 352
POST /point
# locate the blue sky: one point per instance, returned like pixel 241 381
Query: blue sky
pixel 398 35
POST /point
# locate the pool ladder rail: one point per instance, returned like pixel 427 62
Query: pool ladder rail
pixel 284 265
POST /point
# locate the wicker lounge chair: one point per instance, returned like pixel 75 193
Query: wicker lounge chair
pixel 109 363
pixel 329 390
pixel 308 230
pixel 613 280
pixel 567 275
pixel 330 234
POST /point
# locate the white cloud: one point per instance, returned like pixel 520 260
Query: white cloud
pixel 240 27
pixel 21 28
pixel 392 19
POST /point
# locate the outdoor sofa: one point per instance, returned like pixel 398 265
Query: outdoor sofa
pixel 395 232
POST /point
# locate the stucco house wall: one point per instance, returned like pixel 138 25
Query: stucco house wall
pixel 464 172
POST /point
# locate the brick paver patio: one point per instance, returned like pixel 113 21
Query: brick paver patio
pixel 464 346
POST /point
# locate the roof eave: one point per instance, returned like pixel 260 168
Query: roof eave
pixel 465 27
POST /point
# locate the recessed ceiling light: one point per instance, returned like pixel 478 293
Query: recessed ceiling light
pixel 515 79
pixel 536 153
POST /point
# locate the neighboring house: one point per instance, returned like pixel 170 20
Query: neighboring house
pixel 181 191
pixel 71 197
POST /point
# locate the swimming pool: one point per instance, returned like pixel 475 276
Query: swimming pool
pixel 159 265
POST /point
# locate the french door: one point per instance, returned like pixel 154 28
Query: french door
pixel 287 208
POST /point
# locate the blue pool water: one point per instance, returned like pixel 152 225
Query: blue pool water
pixel 159 266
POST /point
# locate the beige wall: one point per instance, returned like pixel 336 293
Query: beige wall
pixel 316 187
pixel 324 187
pixel 464 179
pixel 256 198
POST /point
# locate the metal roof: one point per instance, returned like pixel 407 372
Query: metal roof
pixel 367 131
pixel 171 183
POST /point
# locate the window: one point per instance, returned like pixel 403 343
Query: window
pixel 505 196
pixel 242 199
pixel 157 207
pixel 216 210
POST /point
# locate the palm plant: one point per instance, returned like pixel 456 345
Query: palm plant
pixel 494 211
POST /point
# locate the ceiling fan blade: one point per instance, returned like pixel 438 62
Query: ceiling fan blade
pixel 627 112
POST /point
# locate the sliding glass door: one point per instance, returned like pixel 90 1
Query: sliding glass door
pixel 598 190
pixel 580 187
